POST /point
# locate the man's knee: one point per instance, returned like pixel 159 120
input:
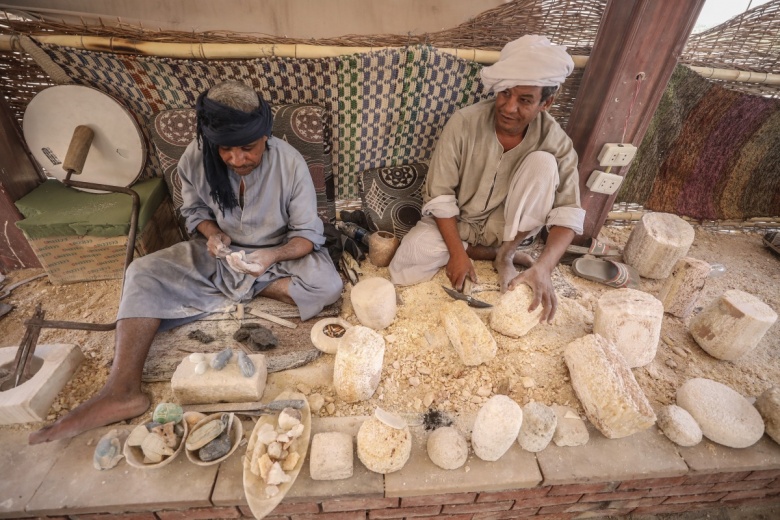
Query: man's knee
pixel 332 288
pixel 539 168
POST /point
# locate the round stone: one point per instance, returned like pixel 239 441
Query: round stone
pixel 374 302
pixel 724 416
pixel 496 427
pixel 679 426
pixel 447 448
pixel 536 432
pixel 768 405
pixel 381 448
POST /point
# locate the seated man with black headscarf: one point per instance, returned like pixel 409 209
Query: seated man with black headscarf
pixel 251 200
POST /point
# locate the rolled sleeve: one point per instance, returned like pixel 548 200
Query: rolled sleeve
pixel 443 206
pixel 568 217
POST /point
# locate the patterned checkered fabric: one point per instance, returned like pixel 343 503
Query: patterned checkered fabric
pixel 392 197
pixel 383 108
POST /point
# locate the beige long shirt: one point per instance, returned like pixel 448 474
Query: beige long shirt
pixel 469 173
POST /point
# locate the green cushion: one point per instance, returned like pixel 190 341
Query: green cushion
pixel 53 209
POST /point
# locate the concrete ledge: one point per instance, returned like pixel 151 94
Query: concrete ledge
pixel 74 486
pixel 709 457
pixel 646 454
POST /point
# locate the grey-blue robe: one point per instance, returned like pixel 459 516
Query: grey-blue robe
pixel 184 282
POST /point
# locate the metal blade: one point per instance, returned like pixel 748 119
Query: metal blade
pixel 470 300
pixel 455 294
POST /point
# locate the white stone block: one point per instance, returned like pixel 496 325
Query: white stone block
pixel 683 287
pixel 768 405
pixel 611 397
pixel 538 428
pixel 382 448
pixel 510 315
pixel 656 243
pixel 732 325
pixel 374 302
pixel 570 429
pixel 469 336
pixel 331 456
pixel 679 425
pixel 631 320
pixel 30 401
pixel 447 448
pixel 219 386
pixel 496 427
pixel 358 364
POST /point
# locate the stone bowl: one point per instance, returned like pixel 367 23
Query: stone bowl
pixel 236 434
pixel 135 457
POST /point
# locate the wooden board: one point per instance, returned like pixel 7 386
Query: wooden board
pixel 254 486
pixel 295 348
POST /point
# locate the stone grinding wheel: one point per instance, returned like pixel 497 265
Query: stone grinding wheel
pixel 56 117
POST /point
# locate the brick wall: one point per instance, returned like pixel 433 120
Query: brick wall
pixel 651 496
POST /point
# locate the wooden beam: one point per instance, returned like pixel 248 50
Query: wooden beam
pixel 635 52
pixel 18 176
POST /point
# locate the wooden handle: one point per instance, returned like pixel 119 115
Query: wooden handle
pixel 78 149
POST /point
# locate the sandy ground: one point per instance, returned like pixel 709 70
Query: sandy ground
pixel 420 366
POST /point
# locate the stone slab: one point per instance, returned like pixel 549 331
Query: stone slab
pixel 30 401
pixel 646 454
pixel 73 486
pixel 516 469
pixel 24 467
pixel 229 488
pixel 710 457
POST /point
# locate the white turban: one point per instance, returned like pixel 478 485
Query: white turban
pixel 530 60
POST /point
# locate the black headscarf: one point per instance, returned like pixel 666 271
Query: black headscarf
pixel 220 125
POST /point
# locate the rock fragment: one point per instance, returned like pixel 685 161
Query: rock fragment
pixel 679 426
pixel 538 428
pixel 447 448
pixel 510 315
pixel 468 334
pixel 570 429
pixel 496 427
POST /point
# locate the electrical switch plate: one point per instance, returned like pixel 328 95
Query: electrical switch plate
pixel 602 182
pixel 616 154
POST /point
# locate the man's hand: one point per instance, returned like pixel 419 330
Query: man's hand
pixel 540 282
pixel 217 245
pixel 249 264
pixel 458 268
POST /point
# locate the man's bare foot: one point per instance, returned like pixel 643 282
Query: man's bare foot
pixel 506 271
pixel 102 409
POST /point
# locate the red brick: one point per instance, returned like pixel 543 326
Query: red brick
pixel 344 515
pixel 649 483
pixel 291 508
pixel 763 473
pixel 715 478
pixel 401 512
pixel 662 509
pixel 439 500
pixel 477 508
pixel 448 517
pixel 738 495
pixel 617 495
pixel 698 489
pixel 506 515
pixel 547 501
pixel 615 512
pixel 358 504
pixel 708 497
pixel 579 489
pixel 206 513
pixel 743 485
pixel 559 516
pixel 641 502
pixel 146 515
pixel 517 494
pixel 753 501
pixel 571 508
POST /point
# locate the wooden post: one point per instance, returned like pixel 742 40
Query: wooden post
pixel 18 176
pixel 637 39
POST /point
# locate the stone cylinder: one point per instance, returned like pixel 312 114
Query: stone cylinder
pixel 373 300
pixel 381 248
pixel 683 287
pixel 657 242
pixel 358 364
pixel 631 320
pixel 733 325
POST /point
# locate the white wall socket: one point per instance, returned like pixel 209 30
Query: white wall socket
pixel 616 154
pixel 602 182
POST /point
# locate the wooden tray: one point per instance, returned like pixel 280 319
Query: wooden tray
pixel 254 486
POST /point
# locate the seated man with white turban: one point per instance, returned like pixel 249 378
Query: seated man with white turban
pixel 251 200
pixel 502 170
